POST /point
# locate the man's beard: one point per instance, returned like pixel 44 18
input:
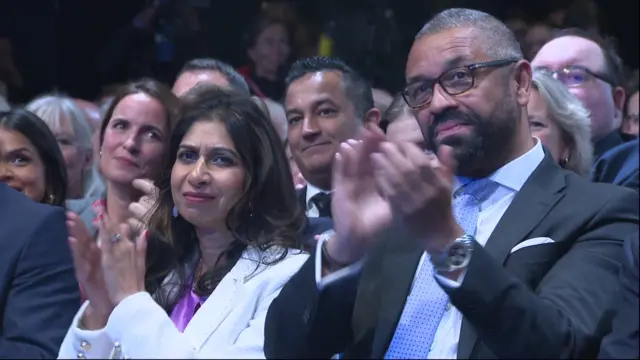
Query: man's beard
pixel 488 140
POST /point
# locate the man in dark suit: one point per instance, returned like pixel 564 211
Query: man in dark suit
pixel 39 294
pixel 622 342
pixel 326 103
pixel 619 166
pixel 506 259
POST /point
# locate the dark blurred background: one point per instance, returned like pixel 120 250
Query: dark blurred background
pixel 78 46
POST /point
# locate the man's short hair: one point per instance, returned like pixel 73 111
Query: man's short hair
pixel 498 40
pixel 613 63
pixel 236 81
pixel 357 89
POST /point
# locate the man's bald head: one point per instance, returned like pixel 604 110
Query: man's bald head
pixel 601 92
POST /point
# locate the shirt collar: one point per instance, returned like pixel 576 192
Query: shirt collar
pixel 514 174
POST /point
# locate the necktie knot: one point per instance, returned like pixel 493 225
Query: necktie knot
pixel 480 190
pixel 322 201
pixel 467 200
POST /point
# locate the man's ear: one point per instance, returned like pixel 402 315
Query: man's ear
pixel 373 116
pixel 523 77
pixel 619 98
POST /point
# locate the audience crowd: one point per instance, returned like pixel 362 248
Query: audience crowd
pixel 489 209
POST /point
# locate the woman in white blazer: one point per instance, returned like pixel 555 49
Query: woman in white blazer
pixel 222 240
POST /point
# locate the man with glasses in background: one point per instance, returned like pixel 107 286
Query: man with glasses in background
pixel 589 66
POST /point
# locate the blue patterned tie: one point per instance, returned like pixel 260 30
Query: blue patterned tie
pixel 427 302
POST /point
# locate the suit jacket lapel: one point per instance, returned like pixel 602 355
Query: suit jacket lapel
pixel 538 196
pixel 302 199
pixel 399 266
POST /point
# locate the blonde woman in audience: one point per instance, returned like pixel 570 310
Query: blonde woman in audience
pixel 561 122
pixel 222 242
pixel 70 125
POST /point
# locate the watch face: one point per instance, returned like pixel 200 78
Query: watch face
pixel 458 254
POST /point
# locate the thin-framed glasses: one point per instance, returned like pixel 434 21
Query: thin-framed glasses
pixel 455 81
pixel 576 75
pixel 631 118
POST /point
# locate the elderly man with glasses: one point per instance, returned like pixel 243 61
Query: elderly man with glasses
pixel 589 66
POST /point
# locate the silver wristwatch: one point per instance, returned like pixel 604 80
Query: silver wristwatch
pixel 455 256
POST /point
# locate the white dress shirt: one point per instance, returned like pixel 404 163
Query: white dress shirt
pixel 312 210
pixel 511 178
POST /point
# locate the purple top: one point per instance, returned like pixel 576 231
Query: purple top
pixel 185 309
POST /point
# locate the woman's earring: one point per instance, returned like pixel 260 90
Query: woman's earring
pixel 564 162
pixel 51 198
pixel 174 212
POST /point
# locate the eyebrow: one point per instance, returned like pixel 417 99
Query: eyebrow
pixel 142 127
pixel 152 127
pixel 209 149
pixel 316 103
pixel 19 150
pixel 451 63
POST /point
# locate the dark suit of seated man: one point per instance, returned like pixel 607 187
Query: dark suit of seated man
pixel 315 226
pixel 622 342
pixel 527 270
pixel 39 294
pixel 619 166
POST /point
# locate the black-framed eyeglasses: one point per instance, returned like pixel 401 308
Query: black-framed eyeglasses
pixel 576 75
pixel 454 82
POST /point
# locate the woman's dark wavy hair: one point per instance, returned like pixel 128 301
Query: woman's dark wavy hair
pixel 267 216
pixel 37 131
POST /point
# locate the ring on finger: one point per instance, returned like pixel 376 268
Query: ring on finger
pixel 115 238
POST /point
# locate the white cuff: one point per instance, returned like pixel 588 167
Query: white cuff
pixel 451 284
pixel 322 282
pixel 87 343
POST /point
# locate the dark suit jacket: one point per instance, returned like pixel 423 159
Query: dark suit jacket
pixel 38 290
pixel 622 342
pixel 302 198
pixel 543 301
pixel 607 143
pixel 316 226
pixel 619 166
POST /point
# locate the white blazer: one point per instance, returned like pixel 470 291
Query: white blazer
pixel 230 323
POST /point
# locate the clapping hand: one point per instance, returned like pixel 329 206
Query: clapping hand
pixel 359 210
pixel 123 262
pixel 418 187
pixel 88 268
pixel 376 181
